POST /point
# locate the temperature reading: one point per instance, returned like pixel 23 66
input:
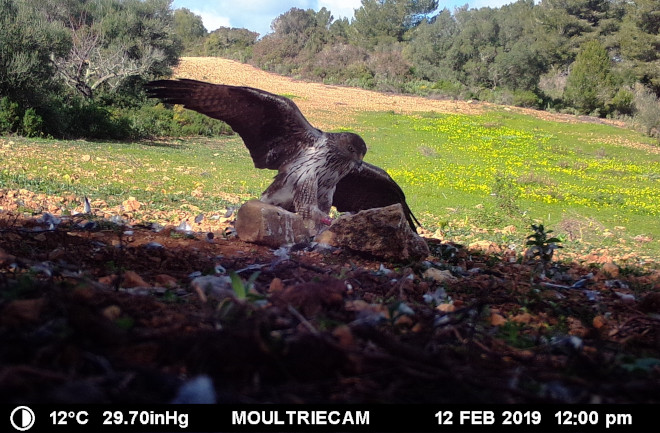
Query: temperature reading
pixel 62 417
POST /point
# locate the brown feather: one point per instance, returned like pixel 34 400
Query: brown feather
pixel 370 187
pixel 272 127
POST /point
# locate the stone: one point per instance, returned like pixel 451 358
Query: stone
pixel 383 233
pixel 439 276
pixel 132 279
pixel 611 269
pixel 218 287
pixel 166 280
pixel 486 247
pixel 269 225
pixel 21 311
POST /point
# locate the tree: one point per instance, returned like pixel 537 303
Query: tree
pixel 387 21
pixel 475 46
pixel 520 59
pixel 190 30
pixel 298 35
pixel 429 44
pixel 27 41
pixel 589 84
pixel 114 40
pixel 229 41
pixel 638 42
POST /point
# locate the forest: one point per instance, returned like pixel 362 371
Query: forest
pixel 63 61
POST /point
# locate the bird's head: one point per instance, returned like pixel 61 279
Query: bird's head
pixel 352 147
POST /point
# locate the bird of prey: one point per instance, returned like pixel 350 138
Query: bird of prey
pixel 315 170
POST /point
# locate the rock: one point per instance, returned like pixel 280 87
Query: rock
pixel 439 276
pixel 132 279
pixel 269 225
pixel 22 311
pixel 381 232
pixel 112 312
pixel 446 308
pixel 486 247
pixel 131 205
pixel 497 319
pixel 650 303
pixel 611 269
pixel 6 258
pixel 166 280
pixel 213 286
pixel 310 298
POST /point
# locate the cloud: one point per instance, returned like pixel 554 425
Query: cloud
pixel 257 15
pixel 213 20
pixel 340 8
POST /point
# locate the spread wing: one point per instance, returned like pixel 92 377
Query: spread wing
pixel 369 187
pixel 272 127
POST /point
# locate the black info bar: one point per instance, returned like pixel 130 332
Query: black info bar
pixel 330 418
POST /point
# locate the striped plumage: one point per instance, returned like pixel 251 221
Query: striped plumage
pixel 316 169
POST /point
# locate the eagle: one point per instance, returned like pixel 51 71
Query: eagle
pixel 315 169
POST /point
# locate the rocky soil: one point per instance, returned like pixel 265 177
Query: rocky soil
pixel 94 310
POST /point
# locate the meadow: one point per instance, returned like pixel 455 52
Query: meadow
pixel 467 177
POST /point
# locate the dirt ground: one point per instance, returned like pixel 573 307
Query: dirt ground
pixel 92 311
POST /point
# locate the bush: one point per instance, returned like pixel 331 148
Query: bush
pixel 158 120
pixel 32 125
pixel 9 117
pixel 622 103
pixel 449 88
pixel 647 111
pixel 527 99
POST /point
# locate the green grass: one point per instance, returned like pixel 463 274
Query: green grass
pixel 162 174
pixel 577 179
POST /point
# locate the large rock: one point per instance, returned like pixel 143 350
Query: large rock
pixel 269 225
pixel 381 232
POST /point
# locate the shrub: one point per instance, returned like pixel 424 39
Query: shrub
pixel 32 125
pixel 9 118
pixel 622 103
pixel 527 99
pixel 589 83
pixel 647 111
pixel 449 88
pixel 158 120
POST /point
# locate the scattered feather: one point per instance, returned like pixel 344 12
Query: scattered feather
pixel 87 208
pixel 184 227
pixel 437 297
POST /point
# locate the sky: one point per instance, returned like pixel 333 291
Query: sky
pixel 256 15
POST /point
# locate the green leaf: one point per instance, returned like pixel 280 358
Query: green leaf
pixel 238 285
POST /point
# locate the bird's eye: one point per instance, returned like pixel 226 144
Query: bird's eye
pixel 350 149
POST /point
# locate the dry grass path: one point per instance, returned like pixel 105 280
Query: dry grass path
pixel 323 104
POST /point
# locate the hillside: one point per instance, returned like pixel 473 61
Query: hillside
pixel 128 300
pixel 320 102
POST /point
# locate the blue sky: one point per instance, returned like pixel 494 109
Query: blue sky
pixel 256 15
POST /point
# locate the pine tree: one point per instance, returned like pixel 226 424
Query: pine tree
pixel 589 85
